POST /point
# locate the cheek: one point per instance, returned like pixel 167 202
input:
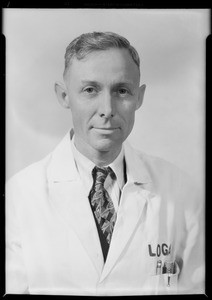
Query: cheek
pixel 81 114
pixel 127 112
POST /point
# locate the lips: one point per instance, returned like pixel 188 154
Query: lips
pixel 105 129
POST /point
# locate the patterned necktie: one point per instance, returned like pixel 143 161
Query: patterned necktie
pixel 101 202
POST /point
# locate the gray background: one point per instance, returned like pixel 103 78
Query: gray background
pixel 171 45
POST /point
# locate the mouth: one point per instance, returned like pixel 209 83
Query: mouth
pixel 106 130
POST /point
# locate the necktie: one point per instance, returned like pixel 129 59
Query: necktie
pixel 101 202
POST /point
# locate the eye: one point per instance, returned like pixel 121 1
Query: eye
pixel 123 91
pixel 90 90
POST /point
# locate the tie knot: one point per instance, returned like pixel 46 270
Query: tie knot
pixel 100 174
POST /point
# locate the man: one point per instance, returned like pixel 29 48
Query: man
pixel 96 217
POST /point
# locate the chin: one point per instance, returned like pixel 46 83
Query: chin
pixel 106 145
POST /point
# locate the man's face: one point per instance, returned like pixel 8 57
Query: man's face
pixel 103 94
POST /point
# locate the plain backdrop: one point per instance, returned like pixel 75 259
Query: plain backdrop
pixel 171 45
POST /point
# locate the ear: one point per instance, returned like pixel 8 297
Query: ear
pixel 62 95
pixel 141 92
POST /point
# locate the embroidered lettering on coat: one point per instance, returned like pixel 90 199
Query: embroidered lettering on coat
pixel 161 249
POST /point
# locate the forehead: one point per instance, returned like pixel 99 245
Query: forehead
pixel 114 64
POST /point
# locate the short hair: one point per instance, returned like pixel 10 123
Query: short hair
pixel 86 43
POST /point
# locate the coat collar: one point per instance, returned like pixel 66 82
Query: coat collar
pixel 137 172
pixel 63 168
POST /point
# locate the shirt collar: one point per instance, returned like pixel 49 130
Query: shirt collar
pixel 85 165
pixel 118 168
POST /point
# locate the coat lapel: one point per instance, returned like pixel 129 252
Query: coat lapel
pixel 132 208
pixel 68 198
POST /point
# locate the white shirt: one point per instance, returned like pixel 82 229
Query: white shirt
pixel 85 167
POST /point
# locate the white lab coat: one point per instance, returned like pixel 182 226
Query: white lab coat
pixel 53 245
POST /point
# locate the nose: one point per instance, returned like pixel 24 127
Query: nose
pixel 106 106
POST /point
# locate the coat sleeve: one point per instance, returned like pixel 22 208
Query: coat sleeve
pixel 16 275
pixel 192 275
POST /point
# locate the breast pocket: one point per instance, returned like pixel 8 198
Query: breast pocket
pixel 166 283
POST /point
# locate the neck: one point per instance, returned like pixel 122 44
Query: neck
pixel 99 158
